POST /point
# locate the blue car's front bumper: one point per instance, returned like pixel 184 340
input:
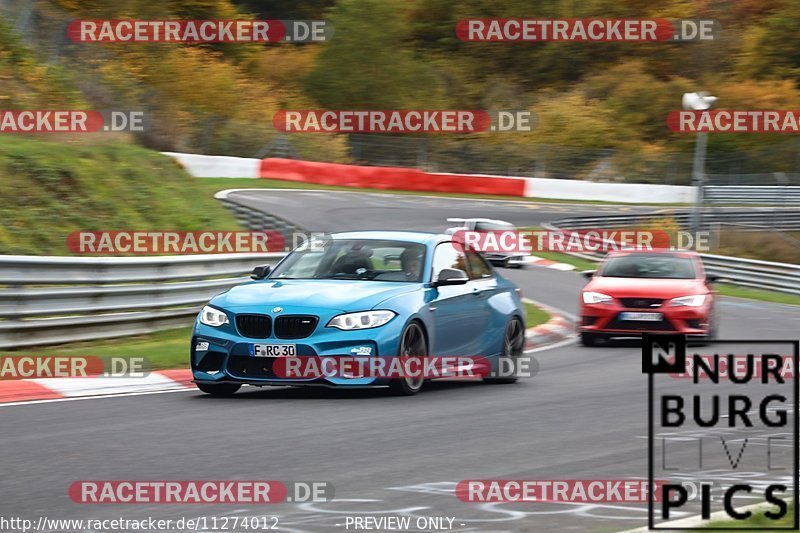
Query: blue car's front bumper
pixel 227 357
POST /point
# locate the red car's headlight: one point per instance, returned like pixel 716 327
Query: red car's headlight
pixel 695 300
pixel 590 297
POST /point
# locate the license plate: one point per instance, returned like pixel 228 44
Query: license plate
pixel 273 350
pixel 642 317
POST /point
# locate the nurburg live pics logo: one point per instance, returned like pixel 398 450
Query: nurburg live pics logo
pixel 727 430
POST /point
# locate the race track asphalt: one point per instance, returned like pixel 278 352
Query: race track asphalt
pixel 583 416
pixel 319 210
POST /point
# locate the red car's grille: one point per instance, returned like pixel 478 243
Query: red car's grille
pixel 641 303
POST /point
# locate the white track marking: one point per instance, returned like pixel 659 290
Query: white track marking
pixel 77 398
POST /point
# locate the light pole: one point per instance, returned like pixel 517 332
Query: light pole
pixel 699 101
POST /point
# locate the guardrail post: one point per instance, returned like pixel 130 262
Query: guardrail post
pixel 698 179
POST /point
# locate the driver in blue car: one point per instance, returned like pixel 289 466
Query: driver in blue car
pixel 411 262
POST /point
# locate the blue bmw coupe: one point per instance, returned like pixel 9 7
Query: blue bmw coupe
pixel 370 294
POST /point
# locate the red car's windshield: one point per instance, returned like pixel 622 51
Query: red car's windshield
pixel 649 266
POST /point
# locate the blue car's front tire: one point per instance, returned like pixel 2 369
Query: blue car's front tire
pixel 412 344
pixel 513 348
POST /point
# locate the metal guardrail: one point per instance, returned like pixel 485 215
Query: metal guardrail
pixel 752 194
pixel 765 275
pixel 781 277
pixel 54 300
pixel 781 219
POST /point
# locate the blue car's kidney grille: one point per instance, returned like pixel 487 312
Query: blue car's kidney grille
pixel 254 326
pixel 295 326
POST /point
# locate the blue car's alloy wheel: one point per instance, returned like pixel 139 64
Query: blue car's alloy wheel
pixel 412 344
pixel 513 346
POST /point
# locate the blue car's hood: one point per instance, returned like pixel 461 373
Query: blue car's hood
pixel 344 295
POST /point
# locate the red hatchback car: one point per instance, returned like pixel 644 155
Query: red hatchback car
pixel 655 292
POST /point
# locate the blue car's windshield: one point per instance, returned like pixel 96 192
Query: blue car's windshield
pixel 361 259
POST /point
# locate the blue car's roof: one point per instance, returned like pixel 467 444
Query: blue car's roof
pixel 406 236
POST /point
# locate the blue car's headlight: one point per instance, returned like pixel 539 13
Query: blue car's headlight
pixel 213 317
pixel 361 320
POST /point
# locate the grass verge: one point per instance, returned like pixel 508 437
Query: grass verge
pixel 577 262
pixel 781 247
pixel 535 315
pixel 162 349
pixel 757 294
pixel 50 189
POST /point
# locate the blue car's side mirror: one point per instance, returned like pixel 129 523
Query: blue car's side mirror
pixel 260 272
pixel 450 276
